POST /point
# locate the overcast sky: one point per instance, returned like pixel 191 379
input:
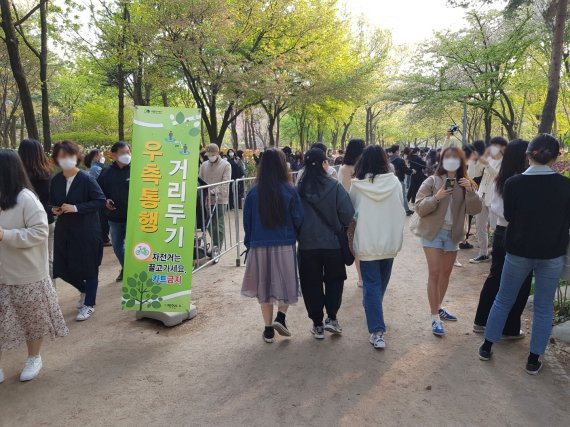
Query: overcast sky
pixel 411 21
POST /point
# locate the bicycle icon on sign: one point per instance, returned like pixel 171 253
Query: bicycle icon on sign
pixel 142 251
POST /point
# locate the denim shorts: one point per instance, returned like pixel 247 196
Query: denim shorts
pixel 442 241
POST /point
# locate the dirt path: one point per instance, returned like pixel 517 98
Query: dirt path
pixel 215 370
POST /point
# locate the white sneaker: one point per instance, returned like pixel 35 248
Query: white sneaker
pixel 81 301
pixel 377 340
pixel 85 313
pixel 31 369
pixel 1 376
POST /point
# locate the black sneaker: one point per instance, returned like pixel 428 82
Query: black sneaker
pixel 318 332
pixel 484 354
pixel 332 326
pixel 465 245
pixel 409 213
pixel 533 368
pixel 480 259
pixel 280 326
pixel 268 335
pixel 120 276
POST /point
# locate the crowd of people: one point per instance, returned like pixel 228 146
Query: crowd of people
pixel 302 232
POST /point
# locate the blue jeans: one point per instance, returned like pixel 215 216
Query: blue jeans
pixel 89 288
pixel 405 193
pixel 118 232
pixel 516 269
pixel 375 278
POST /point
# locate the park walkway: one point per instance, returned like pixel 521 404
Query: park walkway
pixel 215 370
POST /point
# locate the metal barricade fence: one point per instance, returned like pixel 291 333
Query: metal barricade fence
pixel 219 226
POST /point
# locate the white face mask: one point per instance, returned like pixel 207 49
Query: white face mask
pixel 67 163
pixel 102 160
pixel 231 155
pixel 494 150
pixel 124 159
pixel 451 164
pixel 212 159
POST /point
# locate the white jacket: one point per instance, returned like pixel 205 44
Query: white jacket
pixel 380 217
pixel 24 248
pixel 487 187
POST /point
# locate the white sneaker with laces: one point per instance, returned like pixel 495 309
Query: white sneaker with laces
pixel 1 376
pixel 31 369
pixel 85 313
pixel 81 301
pixel 377 340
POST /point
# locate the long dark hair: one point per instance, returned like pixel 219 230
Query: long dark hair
pixel 314 171
pixel 514 162
pixel 34 158
pixel 373 161
pixel 354 150
pixel 13 178
pixel 271 176
pixel 88 160
pixel 461 172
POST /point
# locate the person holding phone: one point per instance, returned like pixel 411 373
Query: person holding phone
pixel 442 202
pixel 491 161
pixel 76 200
pixel 114 182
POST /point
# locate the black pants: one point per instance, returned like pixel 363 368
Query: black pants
pixel 104 225
pixel 491 287
pixel 320 267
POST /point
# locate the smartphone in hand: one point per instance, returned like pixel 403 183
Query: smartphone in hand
pixel 450 183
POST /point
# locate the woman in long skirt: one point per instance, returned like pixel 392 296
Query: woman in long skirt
pixel 272 216
pixel 29 310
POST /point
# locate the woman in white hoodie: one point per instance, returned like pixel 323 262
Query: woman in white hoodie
pixel 376 195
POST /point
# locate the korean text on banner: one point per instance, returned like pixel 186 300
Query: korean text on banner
pixel 162 209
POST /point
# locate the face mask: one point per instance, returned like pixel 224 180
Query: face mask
pixel 451 164
pixel 102 160
pixel 231 155
pixel 212 159
pixel 124 159
pixel 67 163
pixel 494 150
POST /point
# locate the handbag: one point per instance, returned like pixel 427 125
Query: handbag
pixel 342 237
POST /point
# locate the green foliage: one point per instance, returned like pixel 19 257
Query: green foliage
pixel 87 139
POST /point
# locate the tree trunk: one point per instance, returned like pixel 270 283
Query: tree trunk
pixel 549 109
pixel 12 46
pixel 487 120
pixel 233 128
pixel 164 98
pixel 121 96
pixel 277 130
pixel 345 127
pixel 270 126
pixel 44 77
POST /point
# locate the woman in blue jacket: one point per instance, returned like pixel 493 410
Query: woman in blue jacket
pixel 272 216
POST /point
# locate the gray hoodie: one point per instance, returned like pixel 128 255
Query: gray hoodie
pixel 333 203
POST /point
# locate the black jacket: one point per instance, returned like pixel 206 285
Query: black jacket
pixel 538 210
pixel 78 245
pixel 41 187
pixel 114 182
pixel 333 203
pixel 401 170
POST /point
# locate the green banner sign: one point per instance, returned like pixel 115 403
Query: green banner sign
pixel 159 244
